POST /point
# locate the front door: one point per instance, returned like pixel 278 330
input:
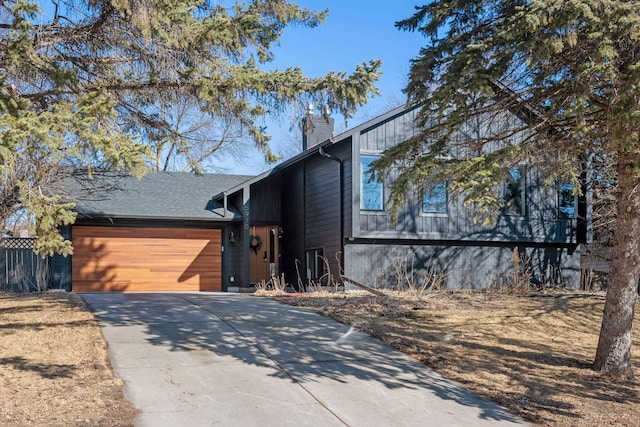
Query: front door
pixel 264 254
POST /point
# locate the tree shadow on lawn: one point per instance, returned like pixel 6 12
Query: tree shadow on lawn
pixel 523 372
pixel 22 324
pixel 38 326
pixel 306 348
pixel 20 309
pixel 49 370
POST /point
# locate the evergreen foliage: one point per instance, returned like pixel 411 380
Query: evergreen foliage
pixel 83 85
pixel 570 70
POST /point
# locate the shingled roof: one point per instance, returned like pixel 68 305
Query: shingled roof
pixel 160 195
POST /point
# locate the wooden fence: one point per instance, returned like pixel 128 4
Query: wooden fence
pixel 21 270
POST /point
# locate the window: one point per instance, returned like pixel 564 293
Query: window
pixel 315 264
pixel 371 194
pixel 514 192
pixel 435 199
pixel 566 201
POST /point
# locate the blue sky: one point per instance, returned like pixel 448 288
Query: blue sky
pixel 354 32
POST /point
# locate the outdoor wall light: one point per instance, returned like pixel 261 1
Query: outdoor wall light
pixel 232 237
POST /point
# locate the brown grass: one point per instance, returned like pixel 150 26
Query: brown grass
pixel 531 354
pixel 54 366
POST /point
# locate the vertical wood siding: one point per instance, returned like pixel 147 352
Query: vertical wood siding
pixel 322 208
pixel 311 210
pixel 265 200
pixel 344 152
pixel 540 224
pixel 293 215
pixel 233 255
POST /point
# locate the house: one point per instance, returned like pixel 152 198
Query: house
pixel 317 215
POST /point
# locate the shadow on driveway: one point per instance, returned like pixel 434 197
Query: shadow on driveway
pixel 240 360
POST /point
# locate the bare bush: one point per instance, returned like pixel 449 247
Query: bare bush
pixel 417 282
pixel 274 286
pixel 400 269
pixel 326 282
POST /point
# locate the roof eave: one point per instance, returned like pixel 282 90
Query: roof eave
pixel 90 216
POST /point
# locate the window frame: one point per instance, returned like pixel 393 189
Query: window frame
pixel 363 207
pixel 522 191
pixel 560 198
pixel 319 267
pixel 445 212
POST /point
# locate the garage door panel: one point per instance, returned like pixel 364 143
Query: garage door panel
pixel 157 260
pixel 97 286
pixel 150 232
pixel 121 286
pixel 137 269
pixel 123 245
pixel 115 258
pixel 180 255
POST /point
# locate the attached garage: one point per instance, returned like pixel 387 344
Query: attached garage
pixel 163 232
pixel 146 259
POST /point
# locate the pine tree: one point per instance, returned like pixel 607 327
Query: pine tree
pixel 81 82
pixel 571 69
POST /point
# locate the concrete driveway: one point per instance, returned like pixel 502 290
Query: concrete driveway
pixel 235 360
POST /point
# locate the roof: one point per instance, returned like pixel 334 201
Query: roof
pixel 159 195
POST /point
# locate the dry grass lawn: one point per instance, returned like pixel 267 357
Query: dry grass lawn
pixel 532 354
pixel 54 366
pixel 529 353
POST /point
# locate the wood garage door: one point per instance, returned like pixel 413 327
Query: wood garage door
pixel 146 259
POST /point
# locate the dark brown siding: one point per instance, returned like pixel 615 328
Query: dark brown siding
pixel 233 255
pixel 265 201
pixel 343 151
pixel 322 201
pixel 293 212
pixel 236 263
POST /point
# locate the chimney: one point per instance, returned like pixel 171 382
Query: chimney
pixel 316 128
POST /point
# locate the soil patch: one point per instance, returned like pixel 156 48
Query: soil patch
pixel 531 354
pixel 54 365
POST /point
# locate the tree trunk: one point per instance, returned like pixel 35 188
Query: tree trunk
pixel 613 356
